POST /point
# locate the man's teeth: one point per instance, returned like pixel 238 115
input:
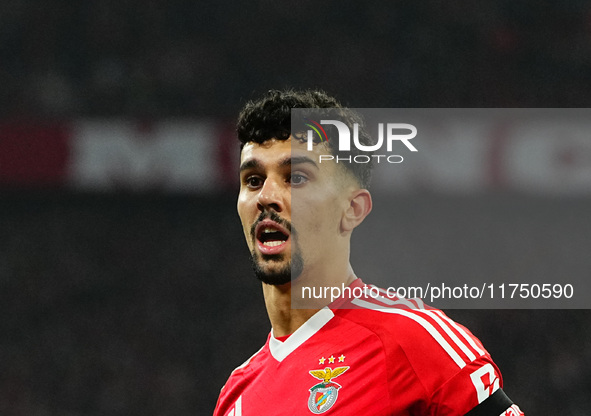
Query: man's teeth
pixel 272 237
pixel 273 243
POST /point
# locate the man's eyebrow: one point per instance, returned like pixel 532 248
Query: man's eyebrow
pixel 250 164
pixel 288 161
pixel 296 160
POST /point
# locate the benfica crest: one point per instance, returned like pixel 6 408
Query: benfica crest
pixel 324 395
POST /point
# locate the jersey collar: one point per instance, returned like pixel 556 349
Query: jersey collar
pixel 280 350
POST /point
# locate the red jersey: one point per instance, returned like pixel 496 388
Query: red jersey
pixel 379 357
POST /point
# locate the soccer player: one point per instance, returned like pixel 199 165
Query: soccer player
pixel 358 355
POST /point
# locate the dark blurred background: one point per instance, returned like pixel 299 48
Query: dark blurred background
pixel 125 285
pixel 189 58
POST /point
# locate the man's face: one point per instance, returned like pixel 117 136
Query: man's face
pixel 290 207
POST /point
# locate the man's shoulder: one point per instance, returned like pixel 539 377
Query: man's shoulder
pixel 420 331
pixel 423 344
pixel 255 361
pixel 384 315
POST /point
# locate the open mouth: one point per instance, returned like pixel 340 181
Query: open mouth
pixel 271 237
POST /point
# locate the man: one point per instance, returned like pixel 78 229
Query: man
pixel 370 355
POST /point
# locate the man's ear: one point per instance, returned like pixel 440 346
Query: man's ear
pixel 359 207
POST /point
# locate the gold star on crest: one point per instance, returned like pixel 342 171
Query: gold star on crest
pixel 331 359
pixel 321 361
pixel 342 359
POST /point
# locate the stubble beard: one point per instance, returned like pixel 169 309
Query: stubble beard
pixel 267 267
pixel 272 274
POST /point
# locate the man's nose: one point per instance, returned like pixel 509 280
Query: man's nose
pixel 271 196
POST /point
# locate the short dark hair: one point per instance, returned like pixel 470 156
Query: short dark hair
pixel 270 117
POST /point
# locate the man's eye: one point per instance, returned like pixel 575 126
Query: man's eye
pixel 254 182
pixel 298 179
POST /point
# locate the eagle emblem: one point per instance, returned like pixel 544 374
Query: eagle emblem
pixel 324 394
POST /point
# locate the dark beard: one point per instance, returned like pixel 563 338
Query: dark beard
pixel 289 272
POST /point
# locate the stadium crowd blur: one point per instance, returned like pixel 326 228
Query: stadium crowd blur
pixel 159 58
pixel 123 304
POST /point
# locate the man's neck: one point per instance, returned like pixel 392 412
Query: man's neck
pixel 278 301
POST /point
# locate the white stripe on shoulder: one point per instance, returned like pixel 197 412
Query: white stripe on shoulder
pixel 421 321
pixel 463 332
pixel 439 319
pixel 438 316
